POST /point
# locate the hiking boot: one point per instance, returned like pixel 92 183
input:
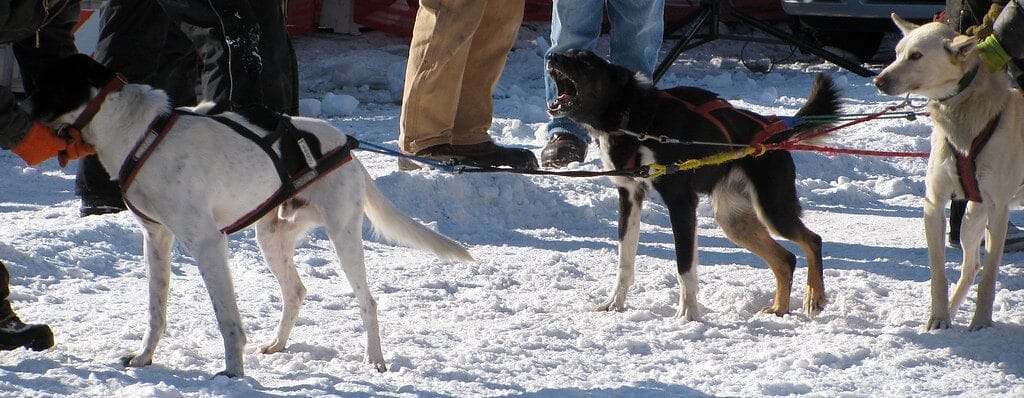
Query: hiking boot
pixel 14 333
pixel 489 154
pixel 563 149
pixel 440 153
pixel 96 205
pixel 486 154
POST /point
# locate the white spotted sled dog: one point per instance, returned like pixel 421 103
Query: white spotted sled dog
pixel 206 172
pixel 977 149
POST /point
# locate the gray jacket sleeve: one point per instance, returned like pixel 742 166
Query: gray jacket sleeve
pixel 1009 29
pixel 14 122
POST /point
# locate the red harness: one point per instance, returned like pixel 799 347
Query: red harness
pixel 965 162
pixel 769 125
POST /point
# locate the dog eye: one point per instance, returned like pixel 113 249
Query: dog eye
pixel 914 56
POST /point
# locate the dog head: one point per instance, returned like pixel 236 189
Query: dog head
pixel 587 86
pixel 66 86
pixel 931 59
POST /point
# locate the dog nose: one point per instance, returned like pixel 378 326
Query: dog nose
pixel 881 83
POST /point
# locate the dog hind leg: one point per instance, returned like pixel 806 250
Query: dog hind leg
pixel 778 207
pixel 631 201
pixel 344 227
pixel 276 237
pixel 157 242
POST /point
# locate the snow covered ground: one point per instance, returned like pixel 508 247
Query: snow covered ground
pixel 519 321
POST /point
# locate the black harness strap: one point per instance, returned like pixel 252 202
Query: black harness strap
pixel 300 163
pixel 965 164
pixel 140 153
pixel 327 163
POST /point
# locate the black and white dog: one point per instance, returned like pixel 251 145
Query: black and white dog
pixel 751 197
pixel 204 176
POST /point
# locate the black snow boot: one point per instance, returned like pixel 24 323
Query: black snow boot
pixel 13 332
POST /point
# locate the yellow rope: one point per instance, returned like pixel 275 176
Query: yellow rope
pixel 657 170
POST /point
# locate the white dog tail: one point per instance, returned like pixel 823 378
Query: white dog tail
pixel 395 226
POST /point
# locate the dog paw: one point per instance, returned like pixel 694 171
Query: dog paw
pixel 935 323
pixel 229 374
pixel 977 325
pixel 132 361
pixel 689 314
pixel 378 363
pixel 775 309
pixel 814 305
pixel 611 305
pixel 271 347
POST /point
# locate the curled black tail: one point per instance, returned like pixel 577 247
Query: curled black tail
pixel 823 101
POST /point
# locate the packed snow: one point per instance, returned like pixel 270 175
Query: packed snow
pixel 519 320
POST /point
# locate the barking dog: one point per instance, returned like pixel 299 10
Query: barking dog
pixel 977 148
pixel 203 177
pixel 751 196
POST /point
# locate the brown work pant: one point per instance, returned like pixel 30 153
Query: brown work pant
pixel 456 56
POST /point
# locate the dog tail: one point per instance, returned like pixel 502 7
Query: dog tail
pixel 823 101
pixel 396 227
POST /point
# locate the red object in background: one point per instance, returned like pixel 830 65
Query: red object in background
pixel 302 16
pixel 397 16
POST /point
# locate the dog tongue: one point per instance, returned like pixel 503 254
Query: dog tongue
pixel 564 98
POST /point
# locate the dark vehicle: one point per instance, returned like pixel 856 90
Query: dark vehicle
pixel 857 26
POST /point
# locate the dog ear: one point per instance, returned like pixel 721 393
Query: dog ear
pixel 960 46
pixel 903 25
pixel 97 74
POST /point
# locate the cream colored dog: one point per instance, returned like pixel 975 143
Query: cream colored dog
pixel 203 177
pixel 977 150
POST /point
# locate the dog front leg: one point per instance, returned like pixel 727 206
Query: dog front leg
pixel 972 228
pixel 684 229
pixel 934 229
pixel 631 202
pixel 157 243
pixel 995 241
pixel 211 253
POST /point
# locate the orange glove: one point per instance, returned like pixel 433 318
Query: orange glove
pixel 42 143
pixel 76 147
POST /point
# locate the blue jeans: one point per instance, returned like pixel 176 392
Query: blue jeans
pixel 637 28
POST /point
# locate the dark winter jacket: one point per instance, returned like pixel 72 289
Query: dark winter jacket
pixel 40 32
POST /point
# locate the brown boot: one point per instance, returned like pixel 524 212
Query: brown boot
pixel 562 150
pixel 489 154
pixel 440 153
pixel 486 154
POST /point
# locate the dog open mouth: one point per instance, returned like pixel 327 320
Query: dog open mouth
pixel 565 96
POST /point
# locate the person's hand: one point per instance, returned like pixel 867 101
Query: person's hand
pixel 42 142
pixel 76 146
